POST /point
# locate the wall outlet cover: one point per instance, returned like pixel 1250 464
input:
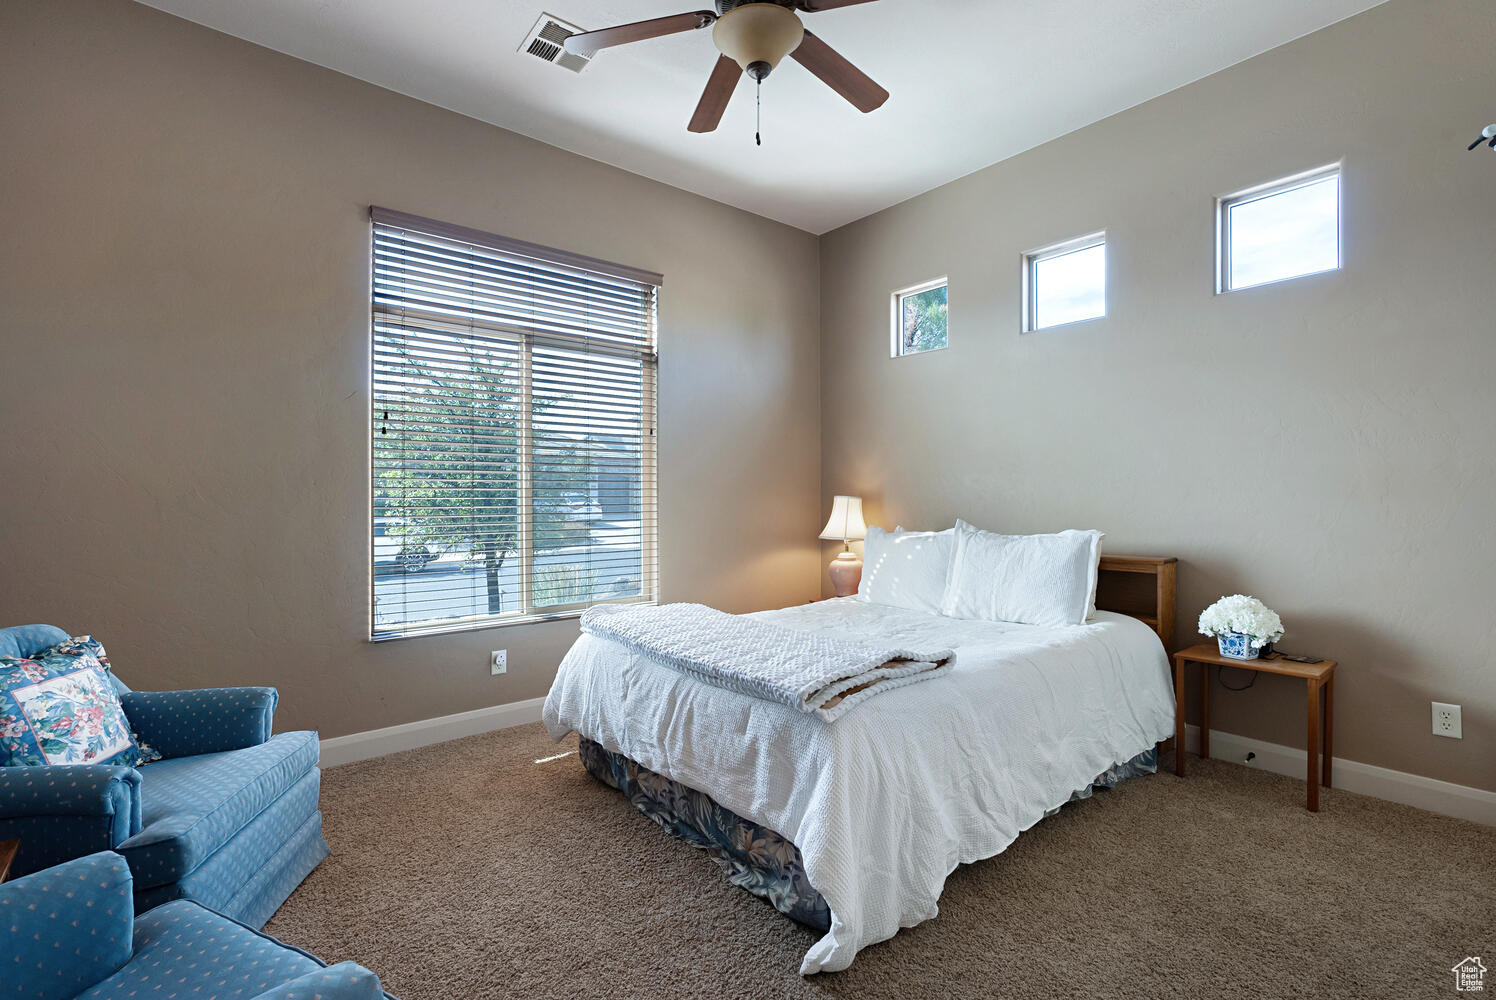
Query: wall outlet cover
pixel 1447 721
pixel 498 661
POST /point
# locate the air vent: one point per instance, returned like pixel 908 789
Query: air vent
pixel 546 41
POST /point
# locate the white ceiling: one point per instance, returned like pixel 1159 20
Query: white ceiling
pixel 973 82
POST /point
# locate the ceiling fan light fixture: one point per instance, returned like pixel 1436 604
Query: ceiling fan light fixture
pixel 757 36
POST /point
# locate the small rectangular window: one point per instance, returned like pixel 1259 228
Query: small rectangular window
pixel 921 318
pixel 1282 230
pixel 1065 283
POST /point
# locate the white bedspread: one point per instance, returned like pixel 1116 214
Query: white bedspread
pixel 885 802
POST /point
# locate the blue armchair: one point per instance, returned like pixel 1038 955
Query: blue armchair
pixel 227 818
pixel 71 932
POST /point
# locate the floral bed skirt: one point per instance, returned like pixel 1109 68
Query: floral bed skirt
pixel 752 856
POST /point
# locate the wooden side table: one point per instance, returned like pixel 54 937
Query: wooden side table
pixel 8 849
pixel 1320 679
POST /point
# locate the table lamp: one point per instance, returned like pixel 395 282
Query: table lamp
pixel 845 526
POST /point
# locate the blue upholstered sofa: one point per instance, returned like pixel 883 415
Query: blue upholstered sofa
pixel 71 931
pixel 228 818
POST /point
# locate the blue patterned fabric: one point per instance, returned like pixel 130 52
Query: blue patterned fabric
pixel 344 981
pixel 67 933
pixel 71 790
pixel 220 881
pixel 67 810
pixel 211 720
pixel 21 641
pixel 753 856
pixel 293 862
pixel 230 819
pixel 57 706
pixel 185 950
pixel 193 806
pixel 25 641
pixel 64 929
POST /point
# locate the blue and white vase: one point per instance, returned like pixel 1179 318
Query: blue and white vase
pixel 1236 645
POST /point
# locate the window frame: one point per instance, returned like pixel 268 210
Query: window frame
pixel 896 330
pixel 1029 307
pixel 1259 192
pixel 526 343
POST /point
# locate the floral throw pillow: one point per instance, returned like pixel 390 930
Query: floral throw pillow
pixel 59 707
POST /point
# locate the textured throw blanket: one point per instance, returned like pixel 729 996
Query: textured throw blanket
pixel 808 671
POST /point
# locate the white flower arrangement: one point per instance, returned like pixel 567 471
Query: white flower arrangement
pixel 1247 615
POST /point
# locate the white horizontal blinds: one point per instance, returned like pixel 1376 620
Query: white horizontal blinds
pixel 586 410
pixel 513 429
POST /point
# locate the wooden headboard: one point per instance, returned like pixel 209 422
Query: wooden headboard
pixel 1140 586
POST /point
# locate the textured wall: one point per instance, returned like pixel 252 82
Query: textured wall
pixel 183 326
pixel 1323 443
pixel 183 335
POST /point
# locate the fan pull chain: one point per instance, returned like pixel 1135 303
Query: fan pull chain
pixel 758 111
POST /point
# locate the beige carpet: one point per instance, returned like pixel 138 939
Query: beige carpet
pixel 476 869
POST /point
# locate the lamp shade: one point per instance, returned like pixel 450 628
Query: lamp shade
pixel 758 33
pixel 846 523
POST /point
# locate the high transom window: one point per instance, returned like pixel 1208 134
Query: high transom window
pixel 1286 229
pixel 921 316
pixel 1065 283
pixel 513 458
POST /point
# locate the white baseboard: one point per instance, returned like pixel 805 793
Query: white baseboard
pixel 1444 797
pixel 409 735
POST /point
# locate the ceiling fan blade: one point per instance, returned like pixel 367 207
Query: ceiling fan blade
pixel 812 6
pixel 587 42
pixel 719 88
pixel 838 74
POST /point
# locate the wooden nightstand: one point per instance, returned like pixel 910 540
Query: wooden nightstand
pixel 1320 678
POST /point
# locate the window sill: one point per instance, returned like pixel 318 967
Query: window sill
pixel 915 354
pixel 1062 326
pixel 479 626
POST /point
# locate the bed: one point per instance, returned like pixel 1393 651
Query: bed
pixel 853 826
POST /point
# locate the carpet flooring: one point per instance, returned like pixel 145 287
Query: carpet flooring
pixel 490 867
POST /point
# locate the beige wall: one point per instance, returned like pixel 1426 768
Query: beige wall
pixel 183 330
pixel 183 337
pixel 1358 404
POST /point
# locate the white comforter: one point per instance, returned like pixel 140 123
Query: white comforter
pixel 886 801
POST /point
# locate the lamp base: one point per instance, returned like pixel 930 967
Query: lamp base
pixel 846 573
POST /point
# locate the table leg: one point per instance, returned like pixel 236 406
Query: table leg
pixel 1329 724
pixel 1313 763
pixel 1204 710
pixel 1179 717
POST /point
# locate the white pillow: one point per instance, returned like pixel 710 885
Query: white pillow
pixel 907 569
pixel 1032 579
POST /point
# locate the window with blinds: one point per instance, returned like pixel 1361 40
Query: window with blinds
pixel 513 459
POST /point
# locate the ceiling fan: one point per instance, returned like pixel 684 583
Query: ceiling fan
pixel 753 37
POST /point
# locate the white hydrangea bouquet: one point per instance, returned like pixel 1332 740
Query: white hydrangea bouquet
pixel 1242 625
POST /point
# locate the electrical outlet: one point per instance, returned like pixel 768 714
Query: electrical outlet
pixel 1447 720
pixel 498 661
